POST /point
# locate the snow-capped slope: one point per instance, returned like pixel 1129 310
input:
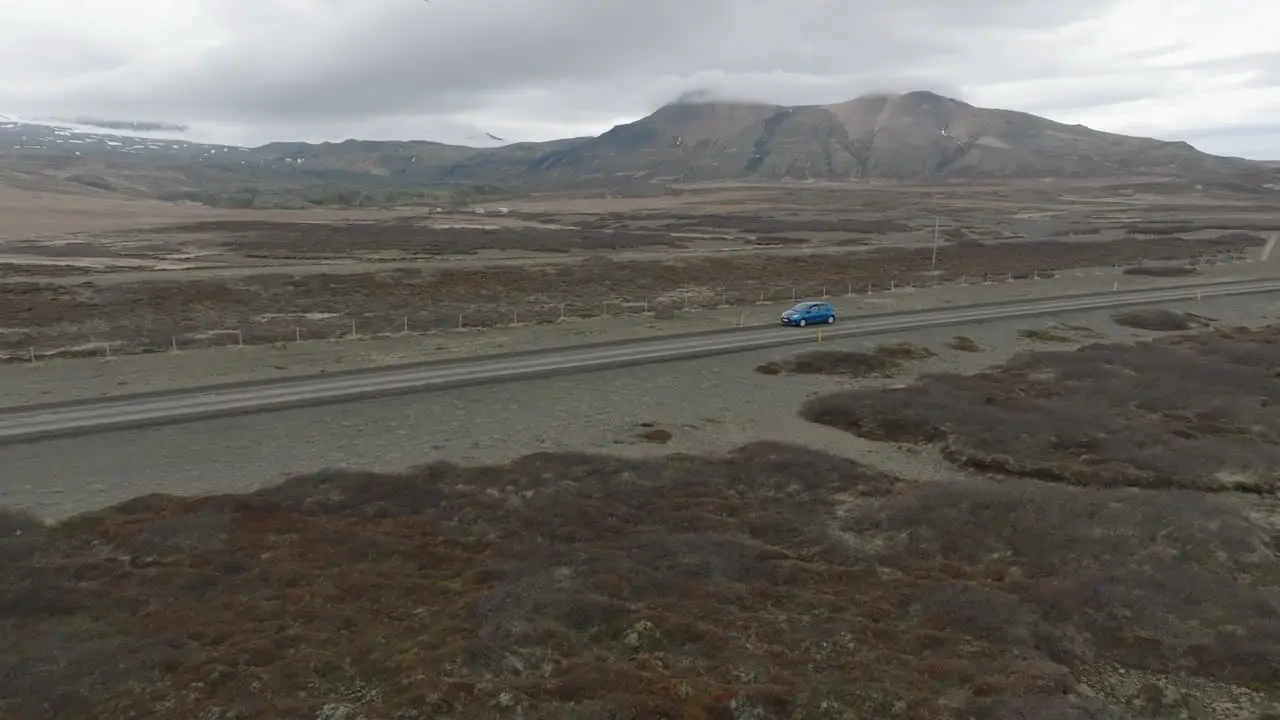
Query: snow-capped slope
pixel 151 159
pixel 22 134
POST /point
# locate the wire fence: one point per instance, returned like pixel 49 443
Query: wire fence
pixel 434 317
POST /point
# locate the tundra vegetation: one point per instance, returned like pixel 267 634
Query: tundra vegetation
pixel 1115 559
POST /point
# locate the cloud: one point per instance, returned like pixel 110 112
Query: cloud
pixel 536 69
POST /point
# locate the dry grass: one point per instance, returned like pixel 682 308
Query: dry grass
pixel 1187 411
pixel 149 316
pixel 752 222
pixel 30 213
pixel 406 237
pixel 573 586
pixel 1237 228
pixel 1162 270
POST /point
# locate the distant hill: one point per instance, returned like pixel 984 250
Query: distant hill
pixel 911 136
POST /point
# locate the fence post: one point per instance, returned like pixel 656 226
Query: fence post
pixel 31 352
pixel 406 324
pixel 646 306
pixel 353 327
pixel 297 334
pixel 515 317
pixel 868 288
pixel 892 285
pixel 461 315
pixel 239 339
pixel 762 297
pixel 724 299
pixel 605 308
pixel 793 294
pixel 173 341
pixel 562 310
pixel 108 346
pixel 1035 274
pixel 824 292
pixel 686 301
pixel 850 289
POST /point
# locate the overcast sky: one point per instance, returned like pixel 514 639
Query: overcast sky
pixel 251 71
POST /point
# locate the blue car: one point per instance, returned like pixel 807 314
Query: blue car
pixel 809 313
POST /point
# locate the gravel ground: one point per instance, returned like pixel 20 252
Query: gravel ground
pixel 709 405
pixel 70 379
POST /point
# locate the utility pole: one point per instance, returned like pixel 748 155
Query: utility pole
pixel 933 264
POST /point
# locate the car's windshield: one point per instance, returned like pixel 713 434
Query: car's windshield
pixel 801 307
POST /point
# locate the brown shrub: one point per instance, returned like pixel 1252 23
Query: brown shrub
pixel 658 436
pixel 21 536
pixel 839 362
pixel 963 343
pixel 1083 575
pixel 770 368
pixel 1158 320
pixel 776 240
pixel 562 585
pixel 1044 335
pixel 904 351
pixel 1193 412
pixel 17 523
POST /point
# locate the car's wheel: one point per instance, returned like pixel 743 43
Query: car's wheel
pixel 802 322
pixel 831 319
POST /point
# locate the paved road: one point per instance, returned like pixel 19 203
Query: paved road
pixel 25 424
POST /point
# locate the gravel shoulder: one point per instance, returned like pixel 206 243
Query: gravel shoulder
pixel 71 379
pixel 708 405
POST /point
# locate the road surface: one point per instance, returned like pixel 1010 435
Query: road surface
pixel 35 422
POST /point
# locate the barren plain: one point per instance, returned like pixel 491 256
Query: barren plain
pixel 1015 519
pixel 250 280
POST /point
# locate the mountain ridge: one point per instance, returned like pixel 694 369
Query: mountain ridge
pixel 917 135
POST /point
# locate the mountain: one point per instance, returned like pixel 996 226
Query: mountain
pixel 911 136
